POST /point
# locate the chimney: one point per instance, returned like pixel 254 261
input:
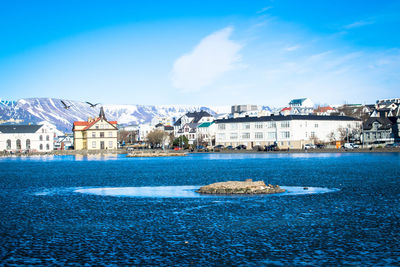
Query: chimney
pixel 102 115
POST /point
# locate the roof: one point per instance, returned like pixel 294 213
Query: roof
pixel 168 128
pixel 90 124
pixel 19 128
pixel 385 123
pixel 284 109
pixel 324 109
pixel 287 118
pixel 205 124
pixel 297 101
pixel 198 115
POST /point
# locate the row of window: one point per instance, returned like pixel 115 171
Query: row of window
pixel 257 135
pixel 18 144
pixel 47 138
pixel 110 134
pixel 257 125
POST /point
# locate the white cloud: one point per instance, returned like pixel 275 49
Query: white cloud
pixel 264 9
pixel 292 48
pixel 358 24
pixel 215 55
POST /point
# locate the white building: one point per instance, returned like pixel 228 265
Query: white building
pixel 287 131
pixel 188 123
pixel 26 137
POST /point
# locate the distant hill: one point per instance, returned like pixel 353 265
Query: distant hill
pixel 34 110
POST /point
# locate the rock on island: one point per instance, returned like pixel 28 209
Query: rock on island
pixel 240 187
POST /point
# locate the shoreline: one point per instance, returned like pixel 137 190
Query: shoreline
pixel 156 152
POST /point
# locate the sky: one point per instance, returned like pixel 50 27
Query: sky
pixel 200 52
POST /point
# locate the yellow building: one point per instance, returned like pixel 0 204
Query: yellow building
pixel 95 133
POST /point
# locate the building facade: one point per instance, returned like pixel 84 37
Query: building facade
pixel 293 131
pixel 35 138
pixel 95 134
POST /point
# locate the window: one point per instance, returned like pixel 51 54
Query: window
pixel 246 126
pixel 221 136
pixel 110 134
pixel 306 134
pixel 221 126
pixel 47 147
pixel 93 134
pixel 18 142
pixel 41 147
pixel 8 144
pixel 110 144
pixel 93 144
pixel 245 135
pixel 285 135
pixel 271 124
pixel 272 135
pixel 285 124
pixel 97 126
pixel 41 138
pixel 233 136
pixel 316 125
pixel 47 138
pixel 101 134
pixel 101 126
pixel 312 134
pixel 258 125
pixel 258 135
pixel 234 126
pixel 28 144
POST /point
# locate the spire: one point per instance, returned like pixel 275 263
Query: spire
pixel 102 115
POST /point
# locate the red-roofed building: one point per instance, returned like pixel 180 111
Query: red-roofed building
pixel 93 134
pixel 324 110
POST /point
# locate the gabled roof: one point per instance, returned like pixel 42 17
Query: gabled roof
pixel 287 108
pixel 384 123
pixel 168 128
pixel 19 128
pixel 198 115
pixel 297 101
pixel 90 124
pixel 205 124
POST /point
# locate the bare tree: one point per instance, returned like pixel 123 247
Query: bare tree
pixel 127 136
pixel 332 137
pixel 156 138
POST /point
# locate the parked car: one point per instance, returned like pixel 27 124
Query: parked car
pixel 239 147
pixel 229 147
pixel 309 146
pixel 393 145
pixel 272 147
pixel 219 147
pixel 320 146
pixel 257 148
pixel 350 146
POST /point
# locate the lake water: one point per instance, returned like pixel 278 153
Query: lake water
pixel 113 210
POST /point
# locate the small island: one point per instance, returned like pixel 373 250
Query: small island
pixel 152 154
pixel 239 187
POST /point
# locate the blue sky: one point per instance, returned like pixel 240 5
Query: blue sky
pixel 200 52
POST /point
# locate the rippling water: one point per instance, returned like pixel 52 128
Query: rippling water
pixel 112 210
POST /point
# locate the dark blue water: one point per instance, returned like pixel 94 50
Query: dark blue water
pixel 43 220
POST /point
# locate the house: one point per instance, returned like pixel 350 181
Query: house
pixel 301 106
pixel 206 133
pixel 292 131
pixel 187 124
pixel 64 142
pixel 98 133
pixel 380 130
pixel 324 111
pixel 36 138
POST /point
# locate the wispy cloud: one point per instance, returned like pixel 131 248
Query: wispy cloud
pixel 212 57
pixel 292 48
pixel 264 9
pixel 358 24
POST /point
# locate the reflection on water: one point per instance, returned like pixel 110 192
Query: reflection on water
pixel 183 191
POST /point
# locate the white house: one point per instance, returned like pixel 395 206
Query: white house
pixel 293 131
pixel 188 123
pixel 26 137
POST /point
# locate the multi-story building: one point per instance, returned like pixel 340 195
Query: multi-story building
pixel 379 130
pixel 287 131
pixel 36 138
pixel 188 123
pixel 243 108
pixel 95 134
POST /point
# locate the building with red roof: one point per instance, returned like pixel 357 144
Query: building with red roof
pixel 94 134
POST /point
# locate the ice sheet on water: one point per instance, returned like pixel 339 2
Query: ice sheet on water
pixel 185 191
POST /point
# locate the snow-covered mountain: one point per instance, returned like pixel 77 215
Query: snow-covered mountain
pixel 34 110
